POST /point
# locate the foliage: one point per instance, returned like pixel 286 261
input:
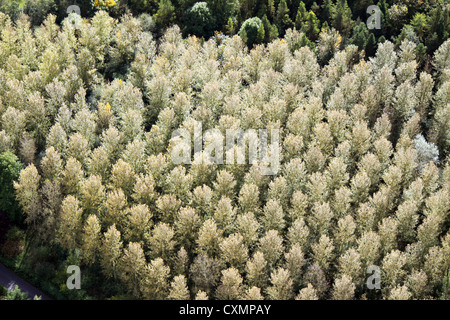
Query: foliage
pixel 364 165
pixel 252 31
pixel 10 168
pixel 199 20
pixel 103 4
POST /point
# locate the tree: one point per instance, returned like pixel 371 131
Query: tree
pixel 247 225
pixel 187 225
pixel 273 216
pixel 205 273
pixel 299 234
pixel 111 251
pixel 360 36
pixel 439 133
pixel 144 190
pixel 230 287
pixel 156 283
pixel 165 15
pixel 161 241
pixel 123 176
pixel 295 260
pixel 72 177
pixel 249 197
pixel 70 222
pixel 10 168
pixel 341 16
pixel 231 26
pixel 201 296
pixel 441 57
pixel 27 149
pixel 307 293
pixel 91 239
pixel 167 206
pixel 400 293
pixel 93 193
pixel 364 148
pixel 222 9
pixel 252 31
pixel 417 284
pixel 132 266
pixel 316 277
pixel 350 265
pixel 270 30
pixel 233 251
pixel 199 20
pixel 282 285
pixel 51 165
pixel 111 143
pixel 78 148
pixel 271 245
pixel 436 28
pixel 225 215
pixel 257 273
pixel 99 164
pixel 253 293
pixel 393 264
pixel 434 266
pixel 283 18
pixel 27 194
pixel 311 26
pixel 329 42
pixel 426 152
pixel 271 8
pixel 14 122
pixel 300 18
pixel 209 237
pixel 178 289
pixel 224 184
pixel 323 252
pixel 371 45
pixel 343 289
pixel 327 10
pixel 419 23
pixel 138 223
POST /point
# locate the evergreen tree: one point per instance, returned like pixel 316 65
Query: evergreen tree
pixel 283 18
pixel 360 36
pixel 165 16
pixel 270 30
pixel 252 31
pixel 111 251
pixel 341 16
pixel 199 20
pixel 311 27
pixel 371 45
pixel 223 9
pixel 301 17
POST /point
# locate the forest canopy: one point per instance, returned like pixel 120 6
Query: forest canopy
pixel 88 107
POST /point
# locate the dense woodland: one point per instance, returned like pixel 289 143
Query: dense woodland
pixel 425 21
pixel 88 106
